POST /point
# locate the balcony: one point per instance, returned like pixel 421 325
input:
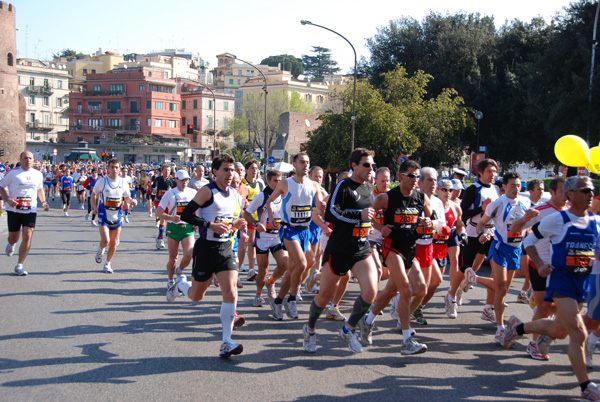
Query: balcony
pixel 104 93
pixel 40 89
pixel 36 125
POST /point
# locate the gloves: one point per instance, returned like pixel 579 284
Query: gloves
pixel 446 230
pixel 464 240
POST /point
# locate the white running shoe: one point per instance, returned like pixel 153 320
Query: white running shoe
pixel 451 310
pixel 469 281
pixel 126 219
pixel 394 306
pixel 243 268
pixel 412 347
pixel 351 338
pixel 589 355
pixel 488 314
pixel 178 271
pixel 87 217
pixel 99 254
pixel 271 290
pixel 10 249
pixel 94 223
pixel 107 268
pixel 251 275
pixel 81 206
pixel 172 290
pixel 459 294
pixel 310 340
pixel 229 348
pixel 277 310
pixel 258 301
pixel 291 310
pixel 66 213
pixel 19 270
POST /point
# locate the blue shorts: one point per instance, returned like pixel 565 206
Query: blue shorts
pixel 506 256
pixel 48 183
pixel 301 235
pixel 132 193
pixel 453 239
pixel 315 234
pixel 568 285
pixel 594 297
pixel 109 224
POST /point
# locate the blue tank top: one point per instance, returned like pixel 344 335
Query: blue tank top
pixel 297 204
pixel 574 253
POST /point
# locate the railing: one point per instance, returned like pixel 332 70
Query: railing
pixel 40 89
pixel 39 126
pixel 104 93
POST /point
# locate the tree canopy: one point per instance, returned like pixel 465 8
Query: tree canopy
pixel 69 54
pixel 287 62
pixel 317 66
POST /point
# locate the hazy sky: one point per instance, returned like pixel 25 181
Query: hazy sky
pixel 252 30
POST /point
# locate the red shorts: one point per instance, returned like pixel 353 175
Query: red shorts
pixel 424 254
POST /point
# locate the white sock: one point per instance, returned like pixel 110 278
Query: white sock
pixel 592 340
pixel 184 287
pixel 500 328
pixel 489 306
pixel 406 333
pixel 370 318
pixel 227 317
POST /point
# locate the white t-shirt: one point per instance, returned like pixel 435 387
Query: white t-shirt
pixel 23 185
pixel 258 204
pixel 175 201
pixel 543 246
pixel 504 211
pixel 438 206
pixel 110 194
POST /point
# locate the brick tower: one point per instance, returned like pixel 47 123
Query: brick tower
pixel 12 104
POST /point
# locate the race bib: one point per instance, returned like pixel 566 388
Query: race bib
pixel 181 206
pixel 514 237
pixel 23 203
pixel 229 222
pixel 273 228
pixel 300 214
pixel 361 229
pixel 112 204
pixel 405 219
pixel 579 261
pixel 440 239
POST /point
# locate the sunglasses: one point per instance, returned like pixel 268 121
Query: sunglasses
pixel 445 190
pixel 585 190
pixel 369 165
pixel 411 175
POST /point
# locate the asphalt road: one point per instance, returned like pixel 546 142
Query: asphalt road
pixel 71 332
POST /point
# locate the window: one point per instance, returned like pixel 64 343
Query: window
pixel 95 106
pixel 238 94
pixel 93 71
pixel 195 103
pixel 59 84
pixel 9 59
pixel 239 82
pixel 183 104
pixel 113 106
pixel 210 122
pixel 231 81
pixel 85 71
pixel 115 89
pixel 96 87
pixel 46 82
pixel 239 72
pixel 158 123
pixel 142 87
pixel 154 88
pixel 134 107
pixel 183 122
pixel 148 105
pixel 210 105
pixel 309 97
pixel 195 137
pixel 32 117
pixel 173 107
pixel 59 102
pixel 148 122
pixel 158 105
pixel 31 100
pixel 31 81
pixel 172 124
pixel 226 106
pixel 169 90
pixel 46 120
pixel 195 121
pixel 95 123
pixel 113 123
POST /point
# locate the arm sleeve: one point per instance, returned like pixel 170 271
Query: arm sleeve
pixel 189 215
pixel 470 194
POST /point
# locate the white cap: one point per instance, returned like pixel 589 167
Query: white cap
pixel 459 171
pixel 182 174
pixel 457 184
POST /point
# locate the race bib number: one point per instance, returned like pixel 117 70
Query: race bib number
pixel 181 206
pixel 160 193
pixel 579 261
pixel 273 228
pixel 406 219
pixel 514 237
pixel 229 222
pixel 23 203
pixel 440 239
pixel 361 229
pixel 112 204
pixel 424 233
pixel 300 214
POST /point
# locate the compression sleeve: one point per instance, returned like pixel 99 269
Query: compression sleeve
pixel 335 208
pixel 189 215
pixel 470 194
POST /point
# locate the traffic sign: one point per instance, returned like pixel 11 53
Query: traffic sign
pixel 2 168
pixel 271 159
pixel 402 159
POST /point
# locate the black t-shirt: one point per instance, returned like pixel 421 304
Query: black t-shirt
pixel 162 186
pixel 349 233
pixel 403 212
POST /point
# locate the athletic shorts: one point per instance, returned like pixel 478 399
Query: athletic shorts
pixel 65 195
pixel 424 254
pixel 470 251
pixel 156 203
pixel 506 256
pixel 110 224
pixel 538 284
pixel 301 235
pixel 594 297
pixel 16 220
pixel 315 234
pixel 406 252
pixel 442 262
pixel 453 240
pixel 568 285
pixel 376 245
pixel 251 227
pixel 341 262
pixel 179 232
pixel 263 246
pixel 211 257
pixel 132 193
pixel 48 183
pixel 80 191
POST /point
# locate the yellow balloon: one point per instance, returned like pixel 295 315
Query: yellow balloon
pixel 592 169
pixel 572 150
pixel 595 160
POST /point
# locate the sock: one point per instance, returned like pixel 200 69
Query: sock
pixel 489 306
pixel 227 317
pixel 291 298
pixel 370 320
pixel 359 309
pixel 452 299
pixel 278 300
pixel 334 306
pixel 313 314
pixel 500 328
pixel 521 330
pixel 271 281
pixel 184 287
pixel 259 293
pixel 584 385
pixel 406 333
pixel 126 212
pixel 161 231
pixel 592 340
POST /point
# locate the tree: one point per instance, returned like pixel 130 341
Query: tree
pixel 287 62
pixel 69 54
pixel 320 64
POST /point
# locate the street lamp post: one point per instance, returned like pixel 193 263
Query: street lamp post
pixel 594 46
pixel 305 22
pixel 266 92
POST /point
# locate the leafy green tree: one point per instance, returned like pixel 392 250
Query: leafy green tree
pixel 241 155
pixel 320 64
pixel 287 62
pixel 69 54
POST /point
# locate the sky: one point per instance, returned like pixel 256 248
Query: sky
pixel 251 30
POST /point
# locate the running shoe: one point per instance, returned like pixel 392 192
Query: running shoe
pixel 215 281
pixel 10 249
pixel 19 270
pixel 459 295
pixel 251 275
pixel 534 352
pixel 107 269
pixel 239 283
pixel 81 206
pixel 591 393
pixel 66 213
pixel 351 338
pixel 469 280
pixel 335 314
pixel 94 223
pixel 172 290
pixel 243 268
pixel 543 344
pixel 229 348
pixel 412 347
pixel 310 340
pixel 522 298
pixel 178 271
pixel 158 239
pixel 498 337
pixel 488 314
pixel 366 332
pixel 315 289
pixel 238 321
pixel 291 310
pixel 271 291
pixel 299 295
pixel 277 311
pixel 87 217
pixel 311 282
pixel 589 355
pixel 126 219
pixel 258 301
pixel 394 306
pixel 418 316
pixel 451 310
pixel 162 243
pixel 99 255
pixel 510 333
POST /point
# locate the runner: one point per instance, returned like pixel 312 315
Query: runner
pixel 198 180
pixel 213 255
pixel 162 184
pixel 21 188
pixel 573 235
pixel 89 184
pixel 254 187
pixel 80 188
pixel 65 184
pixel 107 198
pixel 350 210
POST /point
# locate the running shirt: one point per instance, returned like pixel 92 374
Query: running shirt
pixel 473 199
pixel 81 182
pixel 504 211
pixel 258 207
pixel 48 178
pixel 219 209
pixel 89 183
pixel 403 213
pixel 543 246
pixel 440 240
pixel 253 190
pixel 161 186
pixel 297 203
pixel 344 209
pixel 426 235
pixel 23 185
pixel 175 201
pixel 110 195
pixel 66 183
pixel 375 235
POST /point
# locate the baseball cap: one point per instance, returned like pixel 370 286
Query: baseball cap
pixel 182 174
pixel 459 171
pixel 457 184
pixel 444 183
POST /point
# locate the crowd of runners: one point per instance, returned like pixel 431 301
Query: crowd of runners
pixel 406 237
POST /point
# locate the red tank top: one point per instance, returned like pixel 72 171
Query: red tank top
pixel 440 242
